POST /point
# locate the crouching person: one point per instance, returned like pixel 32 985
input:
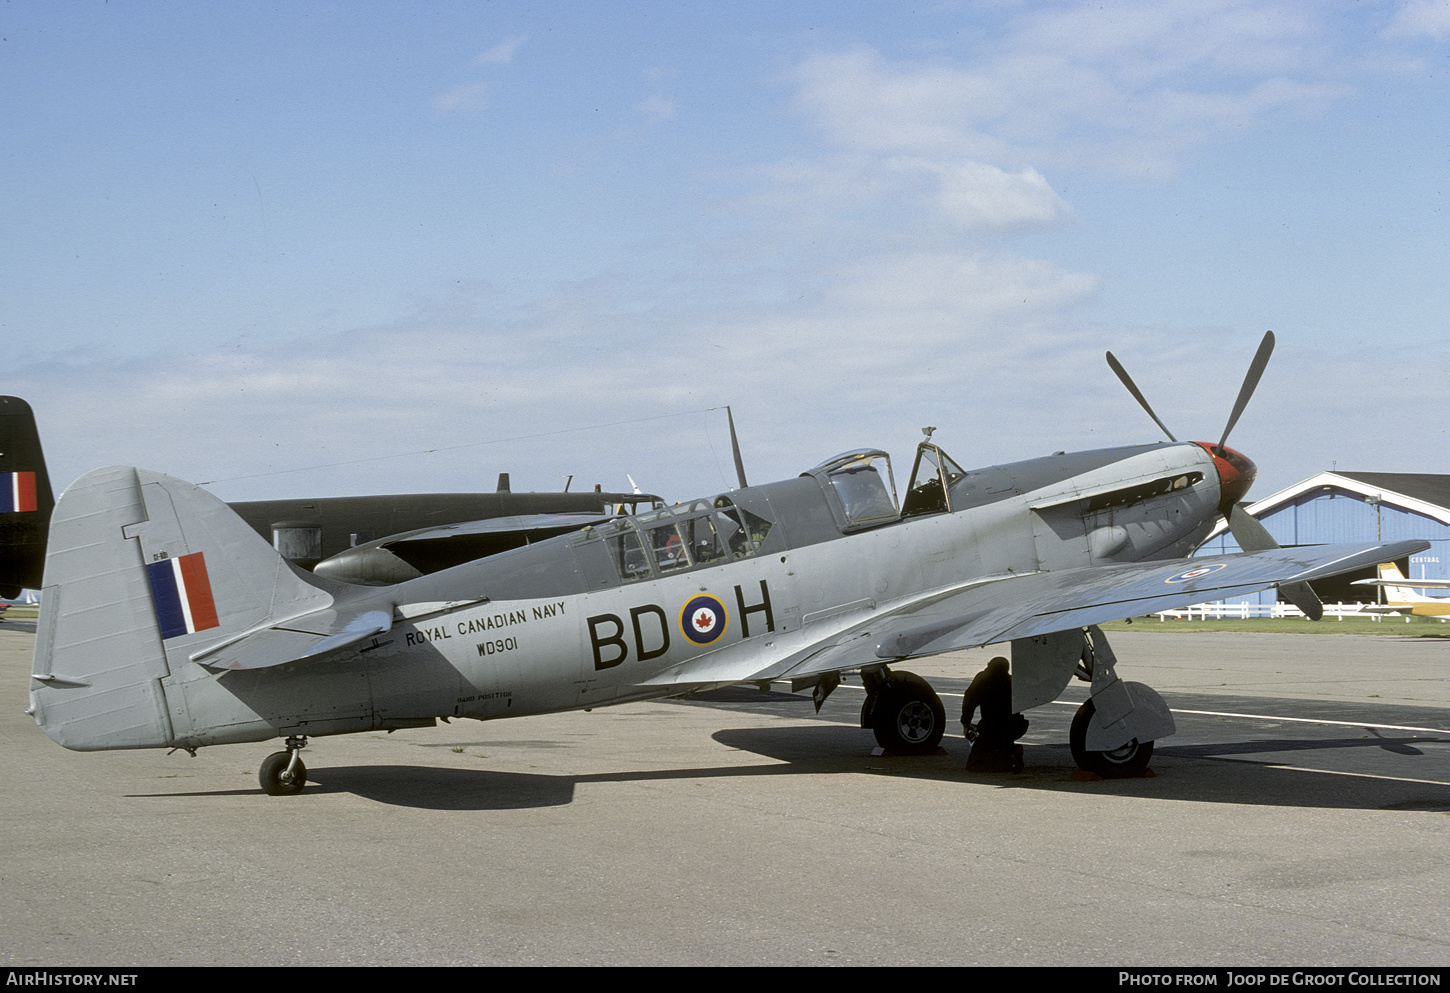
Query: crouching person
pixel 994 738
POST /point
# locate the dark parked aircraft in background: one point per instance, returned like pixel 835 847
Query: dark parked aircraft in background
pixel 368 540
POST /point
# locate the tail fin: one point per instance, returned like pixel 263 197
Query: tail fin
pixel 1396 594
pixel 26 500
pixel 144 574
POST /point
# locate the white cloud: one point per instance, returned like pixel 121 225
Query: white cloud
pixel 1421 17
pixel 976 290
pixel 657 108
pixel 1144 81
pixel 990 348
pixel 862 103
pixel 470 96
pixel 1138 43
pixel 808 379
pixel 977 195
pixel 502 53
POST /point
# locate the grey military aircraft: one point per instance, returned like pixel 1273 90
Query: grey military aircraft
pixel 365 540
pixel 168 623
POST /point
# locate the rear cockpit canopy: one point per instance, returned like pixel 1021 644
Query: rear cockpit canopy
pixel 687 535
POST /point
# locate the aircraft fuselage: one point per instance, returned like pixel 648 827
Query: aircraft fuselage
pixel 603 616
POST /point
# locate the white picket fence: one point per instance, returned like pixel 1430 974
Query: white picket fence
pixel 1243 611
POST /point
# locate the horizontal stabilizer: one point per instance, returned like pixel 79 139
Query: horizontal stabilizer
pixel 298 640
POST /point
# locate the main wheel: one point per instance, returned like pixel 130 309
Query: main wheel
pixel 1129 761
pixel 908 717
pixel 274 778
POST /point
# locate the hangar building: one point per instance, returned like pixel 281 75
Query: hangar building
pixel 1355 506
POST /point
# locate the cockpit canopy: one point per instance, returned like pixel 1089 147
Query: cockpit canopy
pixel 862 491
pixel 860 488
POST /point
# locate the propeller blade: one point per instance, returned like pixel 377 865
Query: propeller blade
pixel 1251 382
pixel 1127 380
pixel 1254 537
pixel 1301 596
pixel 1249 533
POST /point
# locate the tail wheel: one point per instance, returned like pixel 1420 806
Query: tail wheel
pixel 1127 762
pixel 908 717
pixel 275 778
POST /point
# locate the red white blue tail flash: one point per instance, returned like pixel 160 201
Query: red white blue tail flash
pixel 181 590
pixel 17 492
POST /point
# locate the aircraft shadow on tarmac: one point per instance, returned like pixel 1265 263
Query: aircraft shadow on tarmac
pixel 819 751
pixel 1200 774
pixel 424 787
pixel 465 789
pixel 1223 771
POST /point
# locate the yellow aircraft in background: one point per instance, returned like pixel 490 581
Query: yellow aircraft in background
pixel 1400 595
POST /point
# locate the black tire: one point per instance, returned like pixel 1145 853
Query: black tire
pixel 1127 762
pixel 273 775
pixel 908 718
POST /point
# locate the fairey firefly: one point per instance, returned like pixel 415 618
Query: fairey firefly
pixel 167 622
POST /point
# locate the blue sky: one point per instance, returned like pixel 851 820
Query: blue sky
pixel 419 244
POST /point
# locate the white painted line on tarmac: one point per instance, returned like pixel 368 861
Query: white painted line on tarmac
pixel 1331 772
pixel 1296 720
pixel 1317 720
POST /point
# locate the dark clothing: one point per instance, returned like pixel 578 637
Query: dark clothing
pixel 994 749
pixel 991 690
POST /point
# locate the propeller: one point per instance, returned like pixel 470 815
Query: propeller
pixel 1117 367
pixel 1236 473
pixel 1246 391
pixel 1251 382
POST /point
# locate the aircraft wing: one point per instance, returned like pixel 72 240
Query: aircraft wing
pixel 1003 609
pixel 400 557
pixel 527 523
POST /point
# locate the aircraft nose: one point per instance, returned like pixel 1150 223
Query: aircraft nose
pixel 1236 472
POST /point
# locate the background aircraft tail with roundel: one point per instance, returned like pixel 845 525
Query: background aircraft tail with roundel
pixel 26 500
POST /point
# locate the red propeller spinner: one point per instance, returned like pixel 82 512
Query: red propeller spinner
pixel 1236 472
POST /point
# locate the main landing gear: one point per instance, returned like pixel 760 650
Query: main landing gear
pixel 904 712
pixel 1127 761
pixel 1112 733
pixel 282 773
